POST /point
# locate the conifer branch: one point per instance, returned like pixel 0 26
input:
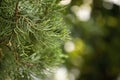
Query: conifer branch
pixel 34 34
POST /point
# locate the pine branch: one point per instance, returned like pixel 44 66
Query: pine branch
pixel 33 32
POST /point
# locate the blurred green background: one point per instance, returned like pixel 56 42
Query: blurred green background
pixel 94 51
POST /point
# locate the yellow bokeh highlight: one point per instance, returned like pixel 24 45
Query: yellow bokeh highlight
pixel 76 55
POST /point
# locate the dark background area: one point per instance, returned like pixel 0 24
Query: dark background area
pixel 96 39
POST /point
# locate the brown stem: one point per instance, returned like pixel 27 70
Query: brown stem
pixel 16 12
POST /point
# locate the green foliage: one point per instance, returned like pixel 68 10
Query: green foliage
pixel 31 34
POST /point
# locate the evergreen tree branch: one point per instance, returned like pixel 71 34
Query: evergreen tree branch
pixel 33 32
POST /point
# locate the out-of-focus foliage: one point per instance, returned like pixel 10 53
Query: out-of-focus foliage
pixel 96 38
pixel 31 34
